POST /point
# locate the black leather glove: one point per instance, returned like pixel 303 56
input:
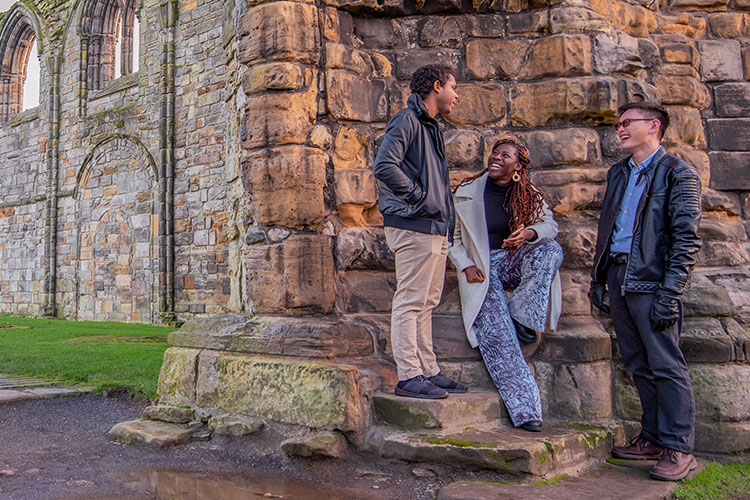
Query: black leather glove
pixel 524 333
pixel 596 297
pixel 664 312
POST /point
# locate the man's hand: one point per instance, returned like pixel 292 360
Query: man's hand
pixel 664 312
pixel 473 274
pixel 596 297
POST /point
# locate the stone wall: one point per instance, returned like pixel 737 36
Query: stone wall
pixel 233 174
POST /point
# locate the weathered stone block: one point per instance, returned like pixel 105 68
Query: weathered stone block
pixel 746 62
pixel 703 298
pixel 613 57
pixel 235 425
pixel 681 53
pixel 723 254
pixel 307 393
pixel 447 31
pixel 363 248
pixel 407 61
pixel 280 31
pixel 730 25
pixel 729 171
pixel 575 19
pixel 463 147
pixel 685 128
pixel 571 190
pixel 732 99
pixel 352 97
pixel 577 339
pixel 356 186
pixel 315 338
pixel 369 6
pixel 350 149
pixel 323 445
pixel 729 134
pixel 150 433
pixel 295 276
pixel 356 215
pixel 578 239
pixel 455 412
pixel 633 19
pixel 365 291
pixel 575 300
pixel 495 59
pixel 560 55
pixel 177 377
pixel 721 60
pixel 581 147
pixel 682 90
pixel 165 413
pixel 286 185
pixel 340 56
pixel 378 33
pixel 449 338
pixel 530 23
pixel 684 24
pixel 575 391
pixel 279 118
pixel 721 392
pixel 740 4
pixel 722 437
pixel 705 341
pixel 559 101
pixel 275 76
pixel 626 401
pixel 704 5
pixel 479 104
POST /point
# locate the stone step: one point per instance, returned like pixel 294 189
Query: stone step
pixel 563 448
pixel 454 412
pixel 150 433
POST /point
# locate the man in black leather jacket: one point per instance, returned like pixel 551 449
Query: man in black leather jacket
pixel 645 249
pixel 417 207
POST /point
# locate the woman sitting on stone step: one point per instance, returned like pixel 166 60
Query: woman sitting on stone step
pixel 504 240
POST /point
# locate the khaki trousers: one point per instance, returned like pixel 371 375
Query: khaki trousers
pixel 420 273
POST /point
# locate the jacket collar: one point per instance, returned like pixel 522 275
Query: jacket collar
pixel 416 103
pixel 474 189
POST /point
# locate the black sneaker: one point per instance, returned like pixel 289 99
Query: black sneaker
pixel 420 387
pixel 524 333
pixel 449 385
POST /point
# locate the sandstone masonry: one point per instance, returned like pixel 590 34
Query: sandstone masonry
pixel 230 176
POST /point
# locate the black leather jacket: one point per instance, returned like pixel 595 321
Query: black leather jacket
pixel 665 239
pixel 415 188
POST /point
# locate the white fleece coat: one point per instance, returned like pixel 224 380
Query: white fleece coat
pixel 471 247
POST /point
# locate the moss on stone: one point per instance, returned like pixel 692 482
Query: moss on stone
pixel 459 443
pixel 543 482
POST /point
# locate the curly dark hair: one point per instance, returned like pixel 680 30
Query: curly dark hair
pixel 526 201
pixel 424 78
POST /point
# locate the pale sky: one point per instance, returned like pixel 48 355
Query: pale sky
pixel 31 86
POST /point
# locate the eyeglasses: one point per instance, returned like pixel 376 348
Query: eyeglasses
pixel 626 122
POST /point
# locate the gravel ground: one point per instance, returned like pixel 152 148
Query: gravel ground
pixel 58 448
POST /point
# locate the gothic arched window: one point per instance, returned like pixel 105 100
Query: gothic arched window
pixel 106 26
pixel 16 41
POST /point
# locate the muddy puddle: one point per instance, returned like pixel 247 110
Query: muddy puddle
pixel 186 485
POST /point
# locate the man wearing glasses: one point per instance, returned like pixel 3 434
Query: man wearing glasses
pixel 645 249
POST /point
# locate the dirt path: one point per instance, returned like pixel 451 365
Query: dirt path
pixel 58 448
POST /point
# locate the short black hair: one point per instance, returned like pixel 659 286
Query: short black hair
pixel 424 78
pixel 651 110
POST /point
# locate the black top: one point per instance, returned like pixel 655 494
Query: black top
pixel 495 213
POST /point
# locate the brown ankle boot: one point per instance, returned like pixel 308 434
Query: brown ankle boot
pixel 638 449
pixel 674 466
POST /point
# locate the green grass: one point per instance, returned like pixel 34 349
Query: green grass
pixel 717 482
pixel 85 352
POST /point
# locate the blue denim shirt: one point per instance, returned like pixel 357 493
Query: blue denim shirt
pixel 622 236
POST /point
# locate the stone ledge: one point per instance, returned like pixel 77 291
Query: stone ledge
pixel 150 433
pixel 577 339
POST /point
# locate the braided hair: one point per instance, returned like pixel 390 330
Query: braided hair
pixel 525 201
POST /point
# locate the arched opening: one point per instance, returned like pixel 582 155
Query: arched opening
pixel 31 86
pixel 107 41
pixel 16 46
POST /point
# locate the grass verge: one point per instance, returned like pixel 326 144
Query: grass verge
pixel 716 482
pixel 85 352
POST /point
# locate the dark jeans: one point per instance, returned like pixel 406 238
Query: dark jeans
pixel 658 367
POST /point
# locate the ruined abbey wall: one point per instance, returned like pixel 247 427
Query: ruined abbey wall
pixel 232 174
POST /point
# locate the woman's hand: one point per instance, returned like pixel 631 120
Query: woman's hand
pixel 473 274
pixel 517 238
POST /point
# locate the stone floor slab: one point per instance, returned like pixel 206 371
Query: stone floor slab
pixel 9 395
pixel 150 433
pixel 57 392
pixel 610 482
pixel 558 449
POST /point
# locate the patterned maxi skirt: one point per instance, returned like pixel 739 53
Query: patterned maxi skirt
pixel 529 271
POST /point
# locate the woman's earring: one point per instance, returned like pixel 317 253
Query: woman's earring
pixel 516 177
